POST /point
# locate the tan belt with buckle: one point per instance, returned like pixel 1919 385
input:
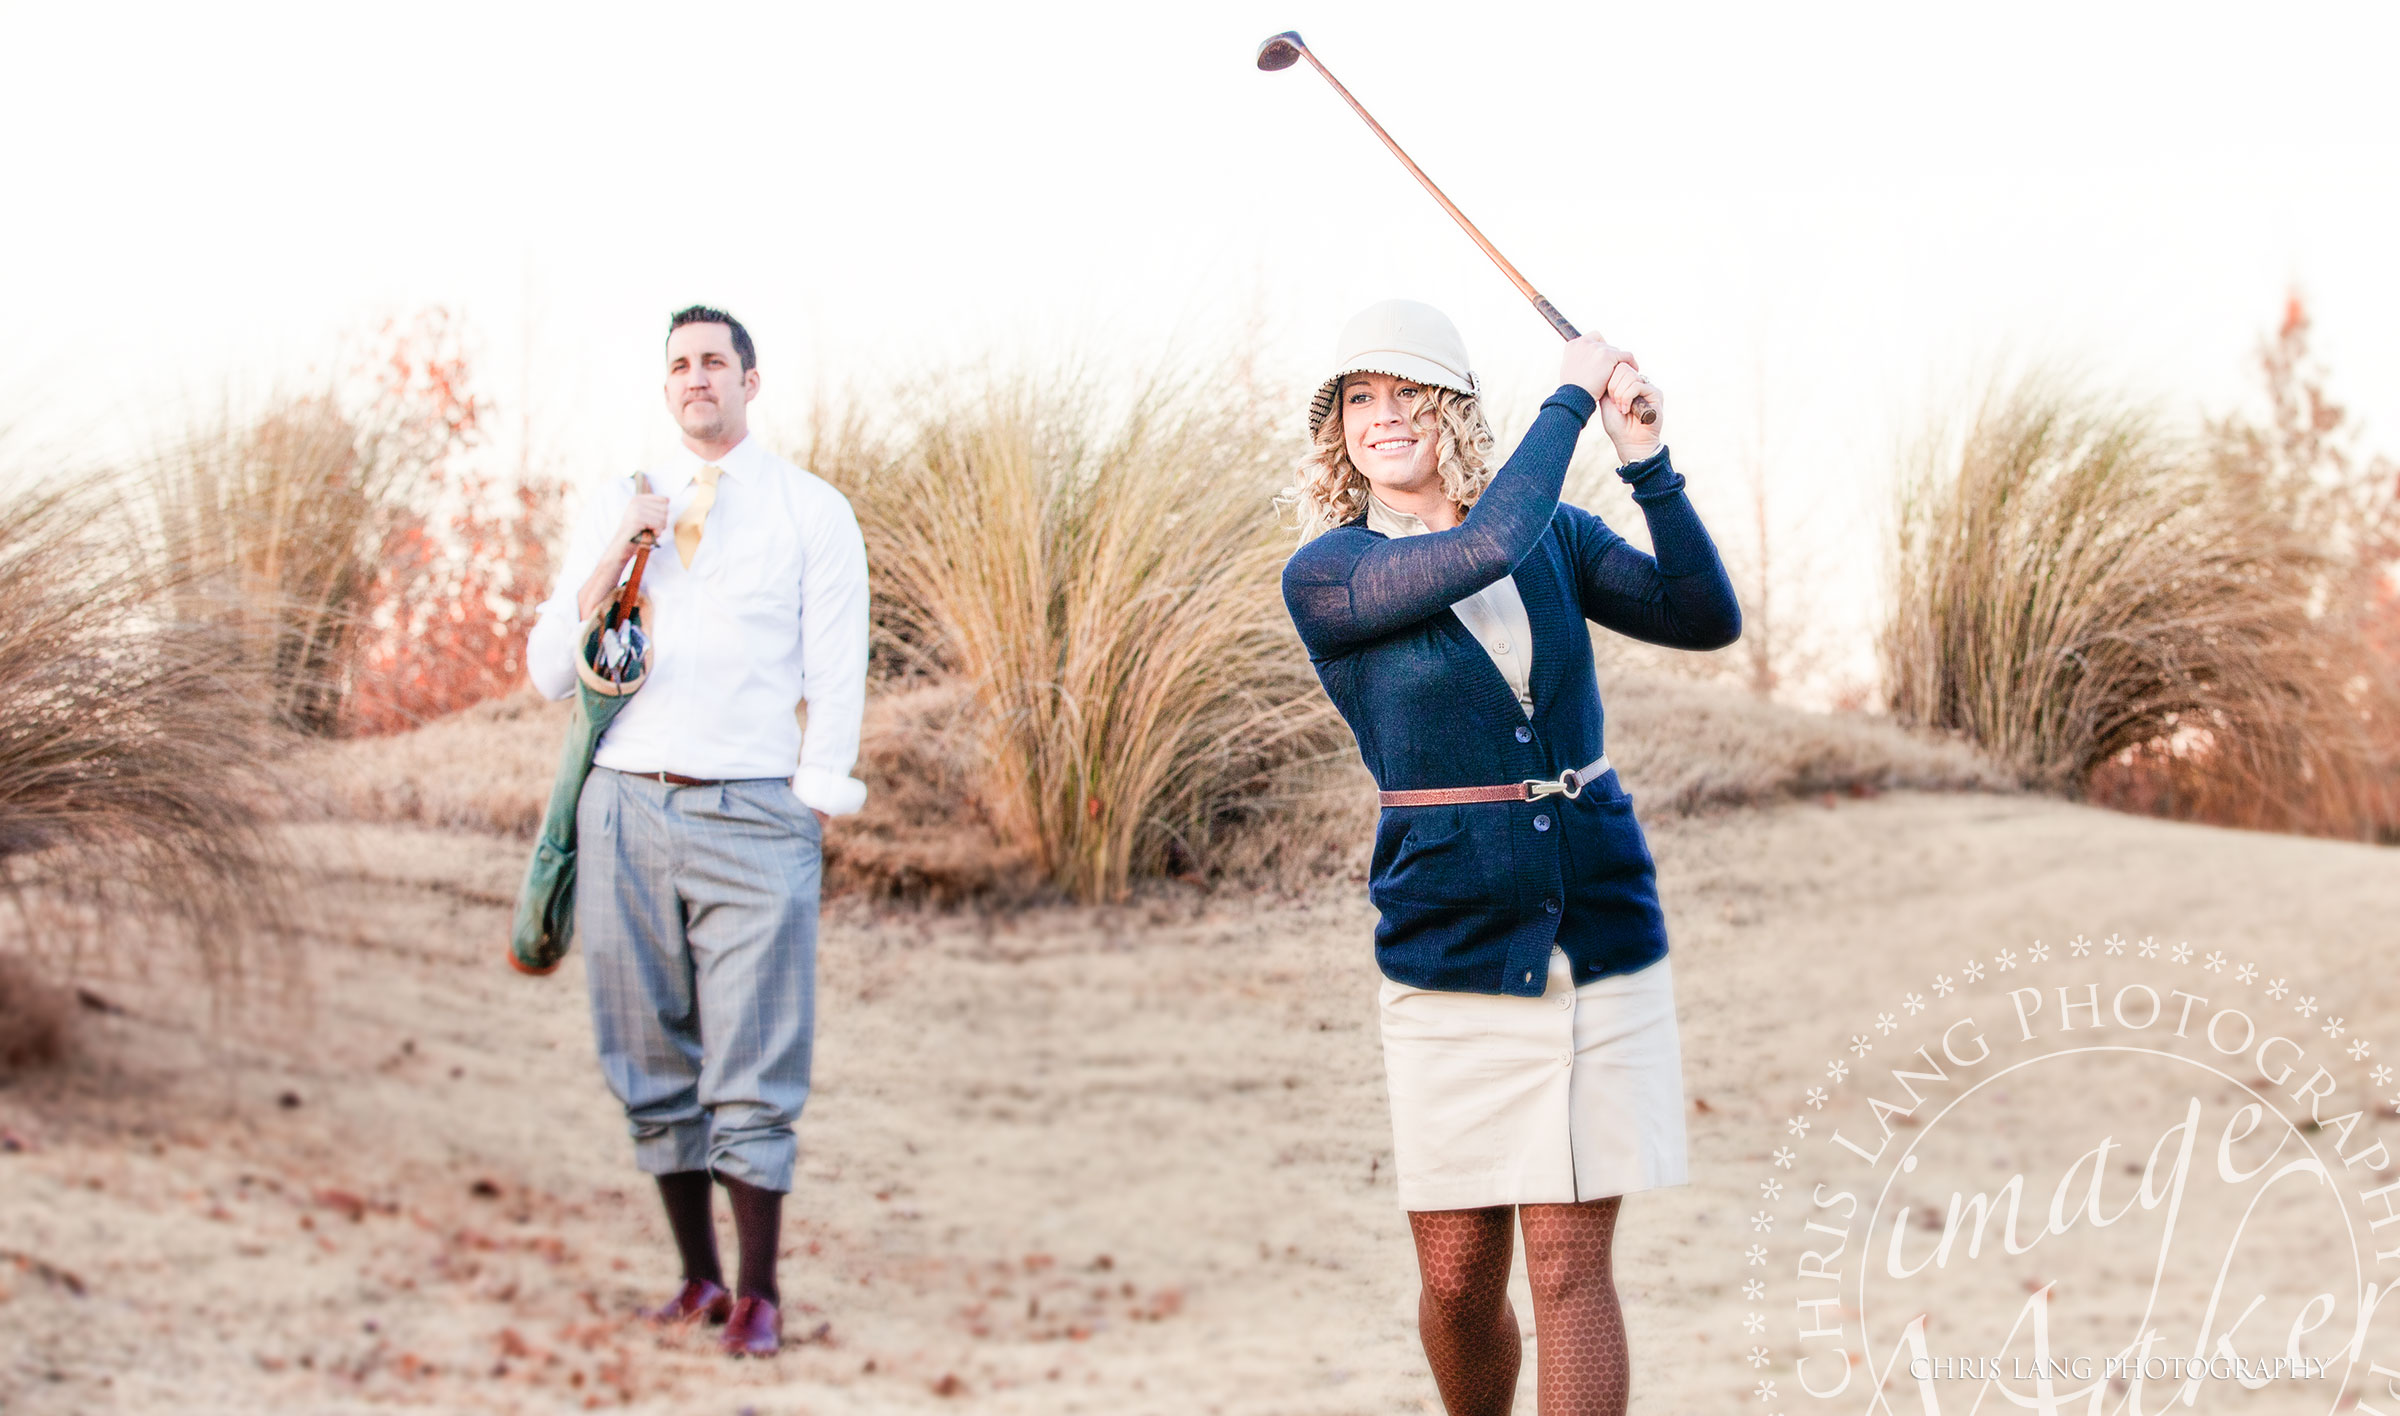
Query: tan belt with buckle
pixel 1569 784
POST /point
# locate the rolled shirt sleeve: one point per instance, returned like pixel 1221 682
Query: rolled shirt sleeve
pixel 833 646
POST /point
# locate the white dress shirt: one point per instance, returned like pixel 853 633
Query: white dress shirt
pixel 772 611
pixel 1495 615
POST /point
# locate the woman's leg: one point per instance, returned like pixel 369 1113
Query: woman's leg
pixel 1577 1326
pixel 1463 1313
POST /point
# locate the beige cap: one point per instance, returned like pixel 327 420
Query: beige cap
pixel 1402 338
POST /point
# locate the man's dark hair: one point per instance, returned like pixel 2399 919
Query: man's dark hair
pixel 702 314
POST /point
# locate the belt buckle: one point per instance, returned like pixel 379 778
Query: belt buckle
pixel 1569 784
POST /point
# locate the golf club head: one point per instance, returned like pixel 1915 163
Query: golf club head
pixel 1280 51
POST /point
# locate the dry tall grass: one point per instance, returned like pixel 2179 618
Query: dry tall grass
pixel 2075 585
pixel 279 518
pixel 1104 578
pixel 130 810
pixel 285 523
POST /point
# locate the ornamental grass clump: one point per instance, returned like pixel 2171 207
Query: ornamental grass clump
pixel 1104 575
pixel 133 818
pixel 2077 588
pixel 360 573
pixel 276 521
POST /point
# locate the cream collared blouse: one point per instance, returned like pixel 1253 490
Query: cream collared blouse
pixel 1495 615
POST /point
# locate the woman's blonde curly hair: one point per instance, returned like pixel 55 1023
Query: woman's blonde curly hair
pixel 1328 490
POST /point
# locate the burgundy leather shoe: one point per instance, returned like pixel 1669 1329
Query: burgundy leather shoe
pixel 697 1300
pixel 754 1330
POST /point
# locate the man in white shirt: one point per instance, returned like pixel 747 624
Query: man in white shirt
pixel 698 844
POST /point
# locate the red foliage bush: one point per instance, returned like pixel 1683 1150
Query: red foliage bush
pixel 462 567
pixel 452 602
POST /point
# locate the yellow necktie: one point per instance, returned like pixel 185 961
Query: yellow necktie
pixel 688 526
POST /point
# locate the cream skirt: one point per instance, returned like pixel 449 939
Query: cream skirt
pixel 1575 1095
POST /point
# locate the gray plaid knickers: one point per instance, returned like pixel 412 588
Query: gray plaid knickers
pixel 698 907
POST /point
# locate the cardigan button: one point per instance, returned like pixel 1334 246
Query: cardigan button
pixel 1549 907
pixel 1524 734
pixel 1541 823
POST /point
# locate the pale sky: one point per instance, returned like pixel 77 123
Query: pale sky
pixel 1855 208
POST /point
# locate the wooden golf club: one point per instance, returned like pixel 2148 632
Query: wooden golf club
pixel 1286 49
pixel 631 590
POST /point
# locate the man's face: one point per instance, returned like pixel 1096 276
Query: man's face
pixel 708 392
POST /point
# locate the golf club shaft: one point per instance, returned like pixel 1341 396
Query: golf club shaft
pixel 1644 411
pixel 632 588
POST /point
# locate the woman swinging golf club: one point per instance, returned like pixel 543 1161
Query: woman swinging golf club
pixel 1528 1016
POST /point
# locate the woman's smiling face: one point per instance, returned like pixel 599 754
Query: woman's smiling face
pixel 1380 429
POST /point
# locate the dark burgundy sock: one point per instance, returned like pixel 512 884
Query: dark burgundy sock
pixel 685 1194
pixel 758 1230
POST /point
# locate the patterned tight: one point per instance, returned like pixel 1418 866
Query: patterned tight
pixel 1463 1314
pixel 1470 1328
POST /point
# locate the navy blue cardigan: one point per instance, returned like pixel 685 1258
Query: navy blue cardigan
pixel 1473 897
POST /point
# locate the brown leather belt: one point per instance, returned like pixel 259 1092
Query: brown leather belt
pixel 1569 784
pixel 677 779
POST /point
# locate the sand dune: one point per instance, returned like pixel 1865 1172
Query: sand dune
pixel 1123 1160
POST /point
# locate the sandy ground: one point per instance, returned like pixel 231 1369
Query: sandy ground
pixel 1129 1160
